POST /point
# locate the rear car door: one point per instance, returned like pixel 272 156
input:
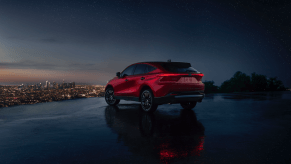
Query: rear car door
pixel 122 87
pixel 137 80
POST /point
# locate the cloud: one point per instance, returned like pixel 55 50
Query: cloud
pixel 18 76
pixel 105 67
pixel 31 71
pixel 27 64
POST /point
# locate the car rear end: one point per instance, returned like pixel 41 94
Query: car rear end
pixel 178 82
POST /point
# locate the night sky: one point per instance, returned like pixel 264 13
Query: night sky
pixel 89 41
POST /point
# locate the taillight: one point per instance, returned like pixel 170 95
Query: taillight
pixel 198 76
pixel 169 78
pixel 176 77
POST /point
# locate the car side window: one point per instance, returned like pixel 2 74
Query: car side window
pixel 140 69
pixel 128 71
pixel 149 68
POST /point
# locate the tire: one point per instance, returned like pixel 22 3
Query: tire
pixel 147 101
pixel 188 105
pixel 109 97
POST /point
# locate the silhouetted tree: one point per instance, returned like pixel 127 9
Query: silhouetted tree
pixel 274 84
pixel 258 82
pixel 238 83
pixel 241 82
pixel 210 87
pixel 225 86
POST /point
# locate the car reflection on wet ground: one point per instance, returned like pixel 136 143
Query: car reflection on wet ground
pixel 224 128
pixel 164 137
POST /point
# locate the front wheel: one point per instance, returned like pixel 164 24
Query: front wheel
pixel 147 101
pixel 109 97
pixel 188 105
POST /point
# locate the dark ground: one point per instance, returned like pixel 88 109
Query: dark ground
pixel 224 128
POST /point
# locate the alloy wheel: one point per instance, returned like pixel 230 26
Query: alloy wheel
pixel 147 103
pixel 146 100
pixel 109 97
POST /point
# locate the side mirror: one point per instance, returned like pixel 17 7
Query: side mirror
pixel 118 74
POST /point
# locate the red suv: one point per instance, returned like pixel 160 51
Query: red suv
pixel 156 83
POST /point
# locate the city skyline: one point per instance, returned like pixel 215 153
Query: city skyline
pixel 42 83
pixel 32 94
pixel 89 41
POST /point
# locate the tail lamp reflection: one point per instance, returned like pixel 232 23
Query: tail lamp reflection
pixel 167 153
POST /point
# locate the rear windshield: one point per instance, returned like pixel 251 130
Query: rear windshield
pixel 179 67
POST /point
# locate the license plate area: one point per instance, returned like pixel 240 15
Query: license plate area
pixel 188 80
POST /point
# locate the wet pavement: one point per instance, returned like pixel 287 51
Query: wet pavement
pixel 224 128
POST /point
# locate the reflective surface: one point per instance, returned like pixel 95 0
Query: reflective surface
pixel 224 128
pixel 158 136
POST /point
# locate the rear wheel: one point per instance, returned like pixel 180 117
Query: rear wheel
pixel 109 97
pixel 188 105
pixel 147 101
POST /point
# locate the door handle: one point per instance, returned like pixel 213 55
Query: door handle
pixel 142 78
pixel 126 80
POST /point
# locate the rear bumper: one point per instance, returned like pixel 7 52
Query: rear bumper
pixel 177 97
